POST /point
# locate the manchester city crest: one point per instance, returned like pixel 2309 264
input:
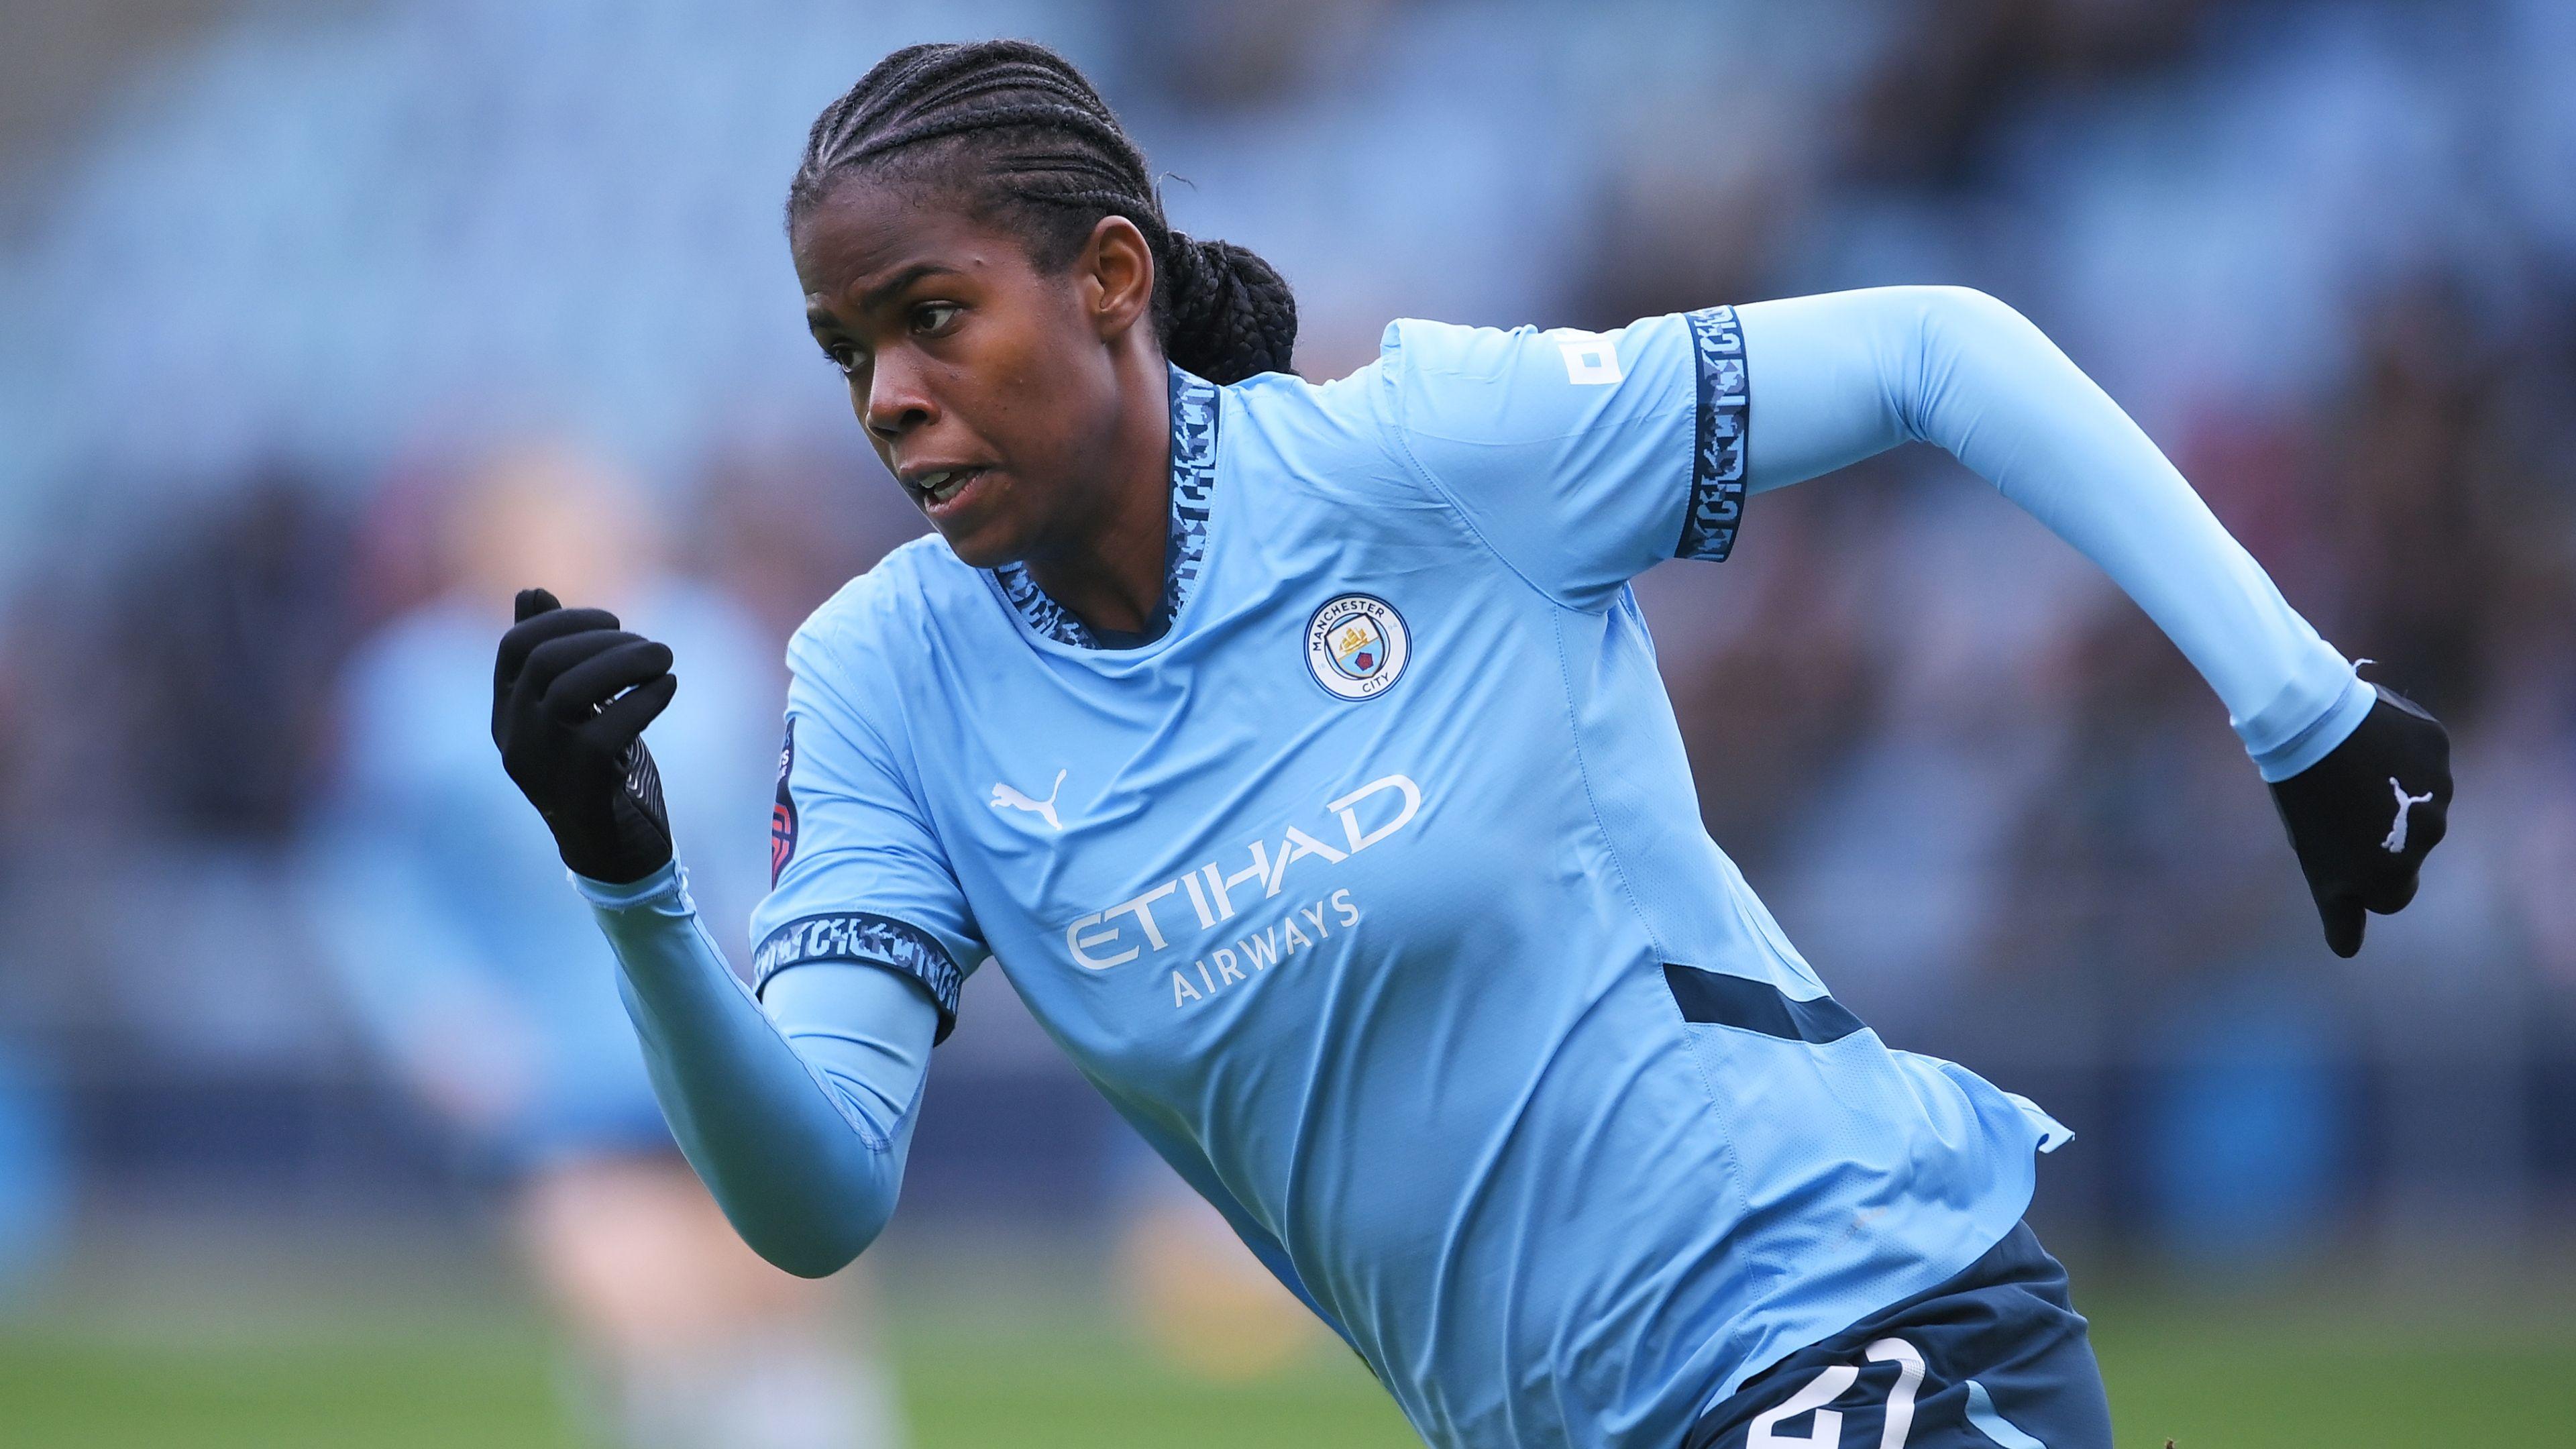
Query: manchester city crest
pixel 1356 646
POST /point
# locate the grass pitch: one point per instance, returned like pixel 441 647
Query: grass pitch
pixel 269 1362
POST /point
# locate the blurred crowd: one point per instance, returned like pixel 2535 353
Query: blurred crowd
pixel 305 280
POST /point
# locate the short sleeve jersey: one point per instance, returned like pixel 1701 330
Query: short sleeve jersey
pixel 1373 891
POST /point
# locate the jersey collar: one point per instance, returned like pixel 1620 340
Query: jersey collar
pixel 1194 415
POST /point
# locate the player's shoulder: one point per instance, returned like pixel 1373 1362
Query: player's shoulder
pixel 1369 398
pixel 1424 347
pixel 879 625
pixel 1270 406
pixel 1292 449
pixel 1497 383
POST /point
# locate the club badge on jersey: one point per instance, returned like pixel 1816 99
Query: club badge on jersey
pixel 1356 646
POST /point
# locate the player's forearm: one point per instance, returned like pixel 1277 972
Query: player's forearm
pixel 797 1118
pixel 1840 377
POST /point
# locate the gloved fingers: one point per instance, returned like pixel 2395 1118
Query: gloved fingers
pixel 548 662
pixel 2343 917
pixel 623 718
pixel 2390 898
pixel 531 603
pixel 581 688
pixel 523 640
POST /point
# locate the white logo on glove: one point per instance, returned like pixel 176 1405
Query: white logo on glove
pixel 2396 841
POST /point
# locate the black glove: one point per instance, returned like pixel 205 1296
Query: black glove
pixel 2363 818
pixel 571 694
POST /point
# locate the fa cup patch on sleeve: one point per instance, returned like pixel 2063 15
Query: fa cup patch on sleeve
pixel 782 816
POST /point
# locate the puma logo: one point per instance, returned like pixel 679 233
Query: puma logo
pixel 1005 796
pixel 2396 841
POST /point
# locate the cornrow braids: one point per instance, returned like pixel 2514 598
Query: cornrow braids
pixel 1019 126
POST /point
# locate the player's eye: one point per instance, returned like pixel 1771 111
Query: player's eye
pixel 843 356
pixel 932 318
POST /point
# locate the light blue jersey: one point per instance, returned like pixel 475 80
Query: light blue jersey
pixel 1374 891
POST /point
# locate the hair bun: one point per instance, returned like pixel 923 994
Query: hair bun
pixel 1231 315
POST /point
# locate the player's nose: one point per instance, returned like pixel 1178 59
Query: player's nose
pixel 897 404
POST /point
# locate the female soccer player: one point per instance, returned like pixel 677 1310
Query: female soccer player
pixel 1299 753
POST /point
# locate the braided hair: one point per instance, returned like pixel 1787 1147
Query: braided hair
pixel 1020 126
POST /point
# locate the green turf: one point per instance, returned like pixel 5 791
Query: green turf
pixel 2341 1370
pixel 1052 1380
pixel 388 1395
pixel 397 1369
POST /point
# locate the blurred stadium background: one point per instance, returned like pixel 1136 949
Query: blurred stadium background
pixel 281 279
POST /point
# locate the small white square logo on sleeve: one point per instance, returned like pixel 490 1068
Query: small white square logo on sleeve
pixel 1591 360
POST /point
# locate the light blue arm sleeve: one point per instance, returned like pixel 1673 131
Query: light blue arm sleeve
pixel 1840 377
pixel 796 1108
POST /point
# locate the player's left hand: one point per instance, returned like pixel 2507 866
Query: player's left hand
pixel 2363 818
pixel 571 694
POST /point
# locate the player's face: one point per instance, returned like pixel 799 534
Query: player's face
pixel 985 384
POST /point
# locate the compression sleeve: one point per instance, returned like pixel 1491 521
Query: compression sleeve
pixel 1840 377
pixel 796 1108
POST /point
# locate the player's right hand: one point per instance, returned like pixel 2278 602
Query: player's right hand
pixel 2363 818
pixel 571 695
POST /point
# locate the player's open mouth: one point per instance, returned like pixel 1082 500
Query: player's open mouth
pixel 939 488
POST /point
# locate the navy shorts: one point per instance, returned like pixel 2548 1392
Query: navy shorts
pixel 1995 1356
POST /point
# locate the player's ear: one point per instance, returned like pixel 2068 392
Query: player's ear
pixel 1116 270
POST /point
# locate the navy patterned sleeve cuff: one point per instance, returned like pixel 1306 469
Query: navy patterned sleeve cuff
pixel 1717 464
pixel 866 937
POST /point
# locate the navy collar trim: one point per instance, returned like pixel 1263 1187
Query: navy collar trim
pixel 1194 419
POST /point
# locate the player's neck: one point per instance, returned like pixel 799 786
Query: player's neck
pixel 1111 575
